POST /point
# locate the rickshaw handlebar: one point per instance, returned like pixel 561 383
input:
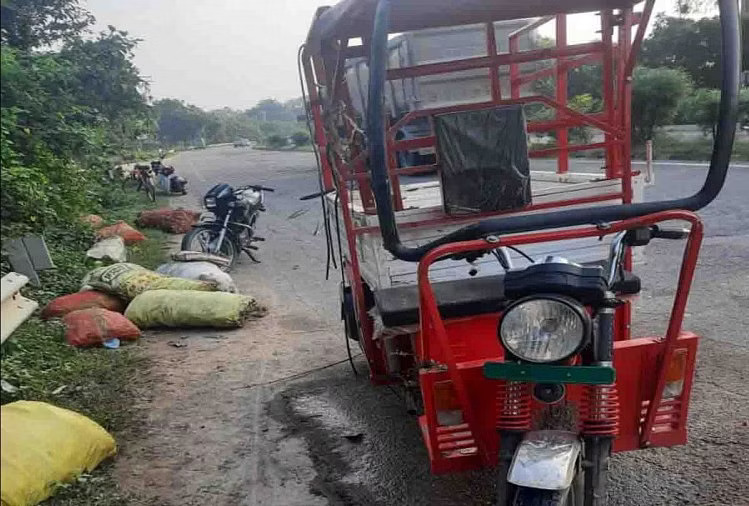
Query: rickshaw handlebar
pixel 719 161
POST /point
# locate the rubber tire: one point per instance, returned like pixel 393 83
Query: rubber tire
pixel 536 497
pixel 232 254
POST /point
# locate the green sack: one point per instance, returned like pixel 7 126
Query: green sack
pixel 130 280
pixel 183 308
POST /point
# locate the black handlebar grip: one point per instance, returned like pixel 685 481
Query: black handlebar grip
pixel 670 233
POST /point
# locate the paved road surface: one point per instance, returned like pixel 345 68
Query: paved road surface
pixel 213 436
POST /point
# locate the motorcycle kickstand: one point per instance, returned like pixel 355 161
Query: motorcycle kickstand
pixel 252 257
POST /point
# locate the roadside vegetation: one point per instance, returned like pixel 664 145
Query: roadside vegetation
pixel 73 105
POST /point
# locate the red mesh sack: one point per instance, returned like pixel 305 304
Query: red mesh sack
pixel 94 220
pixel 128 233
pixel 82 300
pixel 91 327
pixel 175 221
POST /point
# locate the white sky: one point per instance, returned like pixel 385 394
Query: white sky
pixel 232 52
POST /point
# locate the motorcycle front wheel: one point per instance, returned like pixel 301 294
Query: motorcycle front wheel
pixel 201 239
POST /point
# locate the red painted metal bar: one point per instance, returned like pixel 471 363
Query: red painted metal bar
pixel 489 61
pixel 642 25
pixel 549 72
pixel 563 161
pixel 543 126
pixel 473 217
pixel 395 185
pixel 609 106
pixel 541 153
pixel 356 282
pixel 691 252
pixel 514 69
pixel 491 51
pixel 434 328
pixel 625 101
pixel 316 110
pixel 412 115
pixel 585 119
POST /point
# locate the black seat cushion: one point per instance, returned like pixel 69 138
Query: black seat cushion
pixel 399 305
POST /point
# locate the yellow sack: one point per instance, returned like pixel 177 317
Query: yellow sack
pixel 41 445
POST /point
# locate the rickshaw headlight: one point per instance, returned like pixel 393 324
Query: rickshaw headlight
pixel 544 329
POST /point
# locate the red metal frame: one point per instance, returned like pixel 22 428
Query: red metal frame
pixel 455 350
pixel 442 343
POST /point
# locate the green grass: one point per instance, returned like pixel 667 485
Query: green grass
pixel 96 382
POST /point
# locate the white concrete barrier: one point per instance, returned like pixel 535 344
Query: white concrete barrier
pixel 14 307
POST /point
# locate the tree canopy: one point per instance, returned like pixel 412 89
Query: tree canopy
pixel 691 45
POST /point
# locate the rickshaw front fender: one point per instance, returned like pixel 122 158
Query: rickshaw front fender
pixel 545 459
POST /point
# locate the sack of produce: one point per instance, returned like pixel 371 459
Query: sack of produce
pixel 122 229
pixel 200 271
pixel 130 280
pixel 111 249
pixel 94 326
pixel 179 308
pixel 175 221
pixel 94 220
pixel 42 446
pixel 61 306
pixel 199 256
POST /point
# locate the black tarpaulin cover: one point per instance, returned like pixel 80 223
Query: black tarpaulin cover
pixel 483 157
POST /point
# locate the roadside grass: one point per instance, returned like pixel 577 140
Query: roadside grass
pixel 39 365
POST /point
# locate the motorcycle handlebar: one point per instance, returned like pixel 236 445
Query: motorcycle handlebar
pixel 256 187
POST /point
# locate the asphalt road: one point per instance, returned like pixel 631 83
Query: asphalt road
pixel 329 437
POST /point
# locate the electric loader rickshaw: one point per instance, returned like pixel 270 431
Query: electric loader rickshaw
pixel 498 297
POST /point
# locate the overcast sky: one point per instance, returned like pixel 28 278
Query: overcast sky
pixel 229 53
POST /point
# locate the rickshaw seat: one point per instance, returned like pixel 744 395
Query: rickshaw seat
pixel 399 305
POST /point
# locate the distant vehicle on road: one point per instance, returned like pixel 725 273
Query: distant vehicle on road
pixel 242 143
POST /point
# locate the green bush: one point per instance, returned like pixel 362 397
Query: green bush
pixel 656 95
pixel 277 141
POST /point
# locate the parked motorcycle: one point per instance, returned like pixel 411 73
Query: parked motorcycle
pixel 168 180
pixel 228 227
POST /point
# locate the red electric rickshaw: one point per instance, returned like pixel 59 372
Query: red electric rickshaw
pixel 499 293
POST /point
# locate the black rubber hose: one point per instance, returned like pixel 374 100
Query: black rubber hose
pixel 728 112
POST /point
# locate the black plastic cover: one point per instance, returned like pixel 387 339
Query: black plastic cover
pixel 584 283
pixel 483 156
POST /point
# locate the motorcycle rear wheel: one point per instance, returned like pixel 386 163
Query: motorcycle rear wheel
pixel 200 238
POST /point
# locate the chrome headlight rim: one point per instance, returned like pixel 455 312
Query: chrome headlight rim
pixel 571 303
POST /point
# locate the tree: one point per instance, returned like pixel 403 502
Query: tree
pixel 703 109
pixel 179 122
pixel 692 45
pixel 277 141
pixel 656 94
pixel 28 24
pixel 271 110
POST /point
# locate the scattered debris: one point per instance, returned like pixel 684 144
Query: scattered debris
pixel 7 387
pixel 111 249
pixel 177 344
pixel 298 213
